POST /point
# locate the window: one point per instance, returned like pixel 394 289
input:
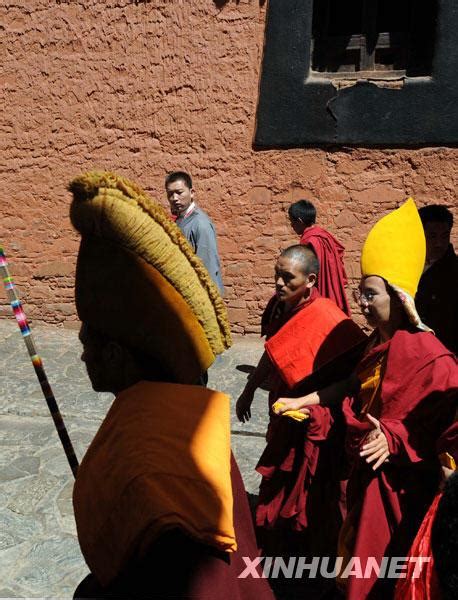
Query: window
pixel 304 102
pixel 373 38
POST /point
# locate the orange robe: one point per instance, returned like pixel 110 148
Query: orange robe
pixel 159 503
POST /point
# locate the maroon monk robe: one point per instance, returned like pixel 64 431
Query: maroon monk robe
pixel 416 404
pixel 426 586
pixel 298 345
pixel 301 486
pixel 437 299
pixel 332 278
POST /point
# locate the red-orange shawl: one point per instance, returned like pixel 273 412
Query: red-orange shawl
pixel 315 335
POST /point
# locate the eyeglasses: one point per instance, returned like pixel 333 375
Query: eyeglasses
pixel 366 297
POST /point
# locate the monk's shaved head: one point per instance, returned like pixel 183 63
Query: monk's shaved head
pixel 304 256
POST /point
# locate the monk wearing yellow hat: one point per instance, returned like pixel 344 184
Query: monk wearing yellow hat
pixel 397 403
pixel 159 503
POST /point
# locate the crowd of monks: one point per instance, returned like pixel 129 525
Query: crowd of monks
pixel 359 424
pixel 362 442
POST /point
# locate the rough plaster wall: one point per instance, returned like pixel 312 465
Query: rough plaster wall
pixel 146 87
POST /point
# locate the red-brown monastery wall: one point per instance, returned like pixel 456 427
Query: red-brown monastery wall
pixel 142 88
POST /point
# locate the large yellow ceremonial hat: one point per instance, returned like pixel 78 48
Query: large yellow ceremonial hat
pixel 139 282
pixel 395 248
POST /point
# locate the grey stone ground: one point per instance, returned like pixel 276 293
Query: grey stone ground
pixel 39 552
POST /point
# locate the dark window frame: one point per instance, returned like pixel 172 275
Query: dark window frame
pixel 298 107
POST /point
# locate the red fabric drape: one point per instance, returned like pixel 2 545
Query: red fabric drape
pixel 332 278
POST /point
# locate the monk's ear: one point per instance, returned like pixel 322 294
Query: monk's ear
pixel 311 280
pixel 113 354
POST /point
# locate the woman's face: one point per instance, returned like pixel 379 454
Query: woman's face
pixel 377 305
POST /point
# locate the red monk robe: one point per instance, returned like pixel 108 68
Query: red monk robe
pixel 425 585
pixel 299 344
pixel 415 402
pixel 332 278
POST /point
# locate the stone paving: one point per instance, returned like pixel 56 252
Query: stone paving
pixel 39 552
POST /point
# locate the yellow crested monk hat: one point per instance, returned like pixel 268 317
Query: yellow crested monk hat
pixel 395 249
pixel 139 282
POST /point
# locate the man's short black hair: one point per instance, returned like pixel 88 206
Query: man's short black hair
pixel 444 540
pixel 305 256
pixel 179 176
pixel 303 211
pixel 436 213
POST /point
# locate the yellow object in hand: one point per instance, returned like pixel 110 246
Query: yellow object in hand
pixel 297 415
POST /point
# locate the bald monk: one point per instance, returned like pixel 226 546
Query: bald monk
pixel 331 277
pixel 306 334
pixel 160 507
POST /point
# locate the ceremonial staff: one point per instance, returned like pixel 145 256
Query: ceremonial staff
pixel 37 363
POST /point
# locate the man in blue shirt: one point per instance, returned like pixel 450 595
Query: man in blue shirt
pixel 194 223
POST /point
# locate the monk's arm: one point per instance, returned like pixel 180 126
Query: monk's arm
pixel 328 396
pixel 259 375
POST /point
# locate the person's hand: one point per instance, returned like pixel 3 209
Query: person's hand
pixel 243 406
pixel 299 404
pixel 371 436
pixel 375 448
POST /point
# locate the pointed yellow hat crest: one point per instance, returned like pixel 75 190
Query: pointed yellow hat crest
pixel 395 248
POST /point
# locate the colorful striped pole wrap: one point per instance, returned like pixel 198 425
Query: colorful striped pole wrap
pixel 37 363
